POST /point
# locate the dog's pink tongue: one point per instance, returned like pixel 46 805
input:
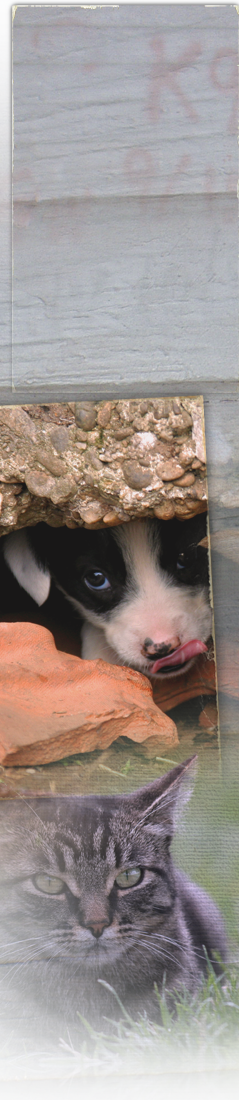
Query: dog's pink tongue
pixel 180 655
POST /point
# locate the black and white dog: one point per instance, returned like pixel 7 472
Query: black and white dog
pixel 140 589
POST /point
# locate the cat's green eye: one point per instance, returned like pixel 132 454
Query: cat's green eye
pixel 128 878
pixel 49 884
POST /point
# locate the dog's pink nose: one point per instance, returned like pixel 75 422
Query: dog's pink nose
pixel 154 650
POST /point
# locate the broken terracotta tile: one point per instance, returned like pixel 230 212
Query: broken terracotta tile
pixel 53 704
pixel 199 680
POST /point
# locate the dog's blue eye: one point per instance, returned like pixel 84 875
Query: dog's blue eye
pixel 96 580
pixel 181 561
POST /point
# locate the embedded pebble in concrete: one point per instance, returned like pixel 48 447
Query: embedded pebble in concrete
pixel 92 511
pixel 48 460
pixel 60 439
pixel 85 414
pixel 39 484
pixel 104 414
pixel 164 510
pixel 101 462
pixel 62 490
pixel 122 433
pixel 170 471
pixel 135 476
pixel 187 479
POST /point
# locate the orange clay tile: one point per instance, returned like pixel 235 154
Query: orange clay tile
pixel 53 704
pixel 199 680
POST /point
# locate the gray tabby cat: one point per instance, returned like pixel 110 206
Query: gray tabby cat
pixel 89 892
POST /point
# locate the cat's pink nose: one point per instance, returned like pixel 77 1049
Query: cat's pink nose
pixel 97 927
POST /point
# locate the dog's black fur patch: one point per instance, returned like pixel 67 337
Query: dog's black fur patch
pixel 95 574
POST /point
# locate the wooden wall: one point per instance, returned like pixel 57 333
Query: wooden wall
pixel 125 244
pixel 125 226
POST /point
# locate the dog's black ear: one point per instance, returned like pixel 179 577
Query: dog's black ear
pixel 33 576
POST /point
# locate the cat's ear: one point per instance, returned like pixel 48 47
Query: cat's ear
pixel 162 802
pixel 30 574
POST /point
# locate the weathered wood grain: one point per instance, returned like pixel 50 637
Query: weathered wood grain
pixel 5 202
pixel 135 107
pixel 125 290
pixel 126 100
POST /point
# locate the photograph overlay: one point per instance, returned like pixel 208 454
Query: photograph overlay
pixel 119 942
pixel 106 631
pixel 108 729
pixel 112 958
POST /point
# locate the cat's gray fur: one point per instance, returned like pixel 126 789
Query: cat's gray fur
pixel 60 945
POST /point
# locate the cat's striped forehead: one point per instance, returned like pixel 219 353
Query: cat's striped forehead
pixel 84 838
pixel 78 832
pixel 92 842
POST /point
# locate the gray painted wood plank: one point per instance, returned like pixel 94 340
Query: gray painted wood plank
pixel 131 288
pixel 4 202
pixel 125 290
pixel 135 99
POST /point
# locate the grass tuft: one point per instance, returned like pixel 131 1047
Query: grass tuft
pixel 190 1033
pixel 203 1036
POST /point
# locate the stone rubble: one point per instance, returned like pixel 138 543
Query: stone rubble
pixel 87 463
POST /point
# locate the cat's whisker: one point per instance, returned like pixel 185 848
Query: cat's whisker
pixel 29 956
pixel 159 953
pixel 26 939
pixel 18 966
pixel 4 955
pixel 156 948
pixel 37 940
pixel 34 946
pixel 175 943
pixel 160 936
